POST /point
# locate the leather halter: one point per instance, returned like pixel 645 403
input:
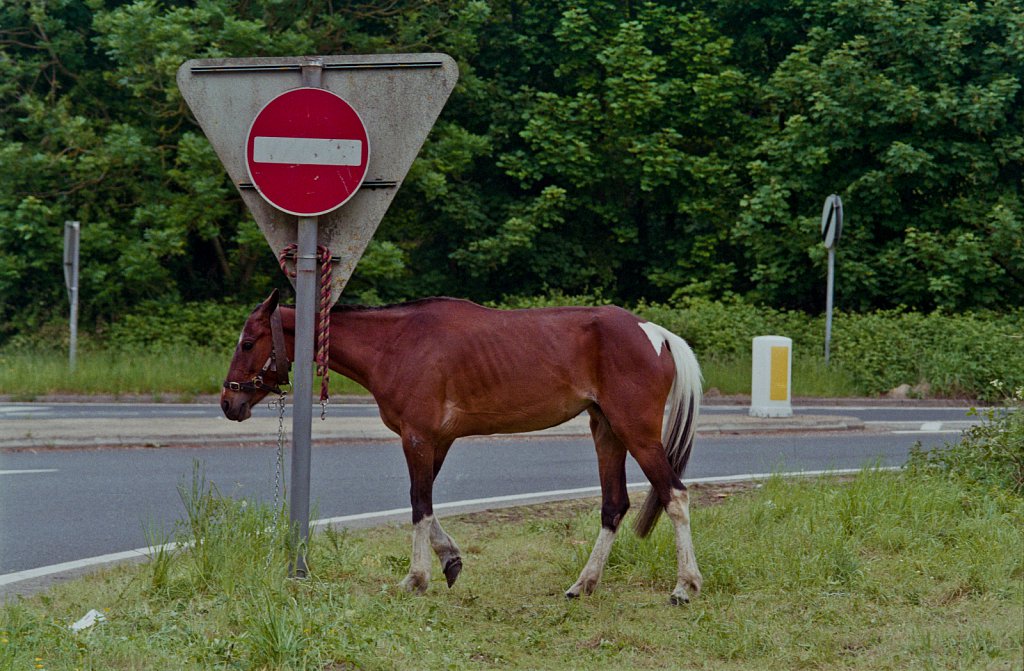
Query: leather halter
pixel 277 362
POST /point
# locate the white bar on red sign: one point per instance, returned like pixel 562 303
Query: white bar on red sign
pixel 307 151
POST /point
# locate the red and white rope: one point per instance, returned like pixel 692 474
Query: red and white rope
pixel 323 330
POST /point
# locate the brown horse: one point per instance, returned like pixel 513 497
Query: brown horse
pixel 443 368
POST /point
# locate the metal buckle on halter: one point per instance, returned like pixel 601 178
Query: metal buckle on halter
pixel 233 386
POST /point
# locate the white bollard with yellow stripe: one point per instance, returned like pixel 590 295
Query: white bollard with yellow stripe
pixel 771 377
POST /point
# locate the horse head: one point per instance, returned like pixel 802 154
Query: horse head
pixel 260 363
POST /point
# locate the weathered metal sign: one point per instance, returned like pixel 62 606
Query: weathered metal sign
pixel 832 221
pixel 831 229
pixel 398 98
pixel 307 152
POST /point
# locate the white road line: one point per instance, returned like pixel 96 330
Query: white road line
pixel 384 515
pixel 90 562
pixel 29 470
pixel 929 427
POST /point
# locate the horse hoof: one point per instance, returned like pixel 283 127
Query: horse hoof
pixel 677 600
pixel 452 569
pixel 414 584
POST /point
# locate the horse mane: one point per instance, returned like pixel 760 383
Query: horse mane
pixel 355 307
pixel 406 304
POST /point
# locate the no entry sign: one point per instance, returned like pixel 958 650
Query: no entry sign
pixel 307 152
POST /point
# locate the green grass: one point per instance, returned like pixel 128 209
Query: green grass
pixel 888 570
pixel 810 378
pixel 167 374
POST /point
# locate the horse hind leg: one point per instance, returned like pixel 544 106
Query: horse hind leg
pixel 611 462
pixel 688 577
pixel 676 501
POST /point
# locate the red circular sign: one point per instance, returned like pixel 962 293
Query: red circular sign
pixel 307 152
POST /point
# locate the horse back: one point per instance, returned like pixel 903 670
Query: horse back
pixel 472 370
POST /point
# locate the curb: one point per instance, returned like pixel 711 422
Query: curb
pixel 63 434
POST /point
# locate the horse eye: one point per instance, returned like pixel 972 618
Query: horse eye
pixel 247 345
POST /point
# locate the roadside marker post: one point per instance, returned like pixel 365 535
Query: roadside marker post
pixel 831 229
pixel 72 234
pixel 295 136
pixel 771 377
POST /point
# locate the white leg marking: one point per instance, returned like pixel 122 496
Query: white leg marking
pixel 444 547
pixel 688 575
pixel 419 569
pixel 591 573
pixel 447 552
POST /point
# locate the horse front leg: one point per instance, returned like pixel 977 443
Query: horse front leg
pixel 424 458
pixel 419 458
pixel 447 552
pixel 444 547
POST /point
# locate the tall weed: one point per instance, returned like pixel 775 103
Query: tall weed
pixel 989 454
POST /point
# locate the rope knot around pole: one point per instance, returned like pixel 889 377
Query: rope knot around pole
pixel 323 331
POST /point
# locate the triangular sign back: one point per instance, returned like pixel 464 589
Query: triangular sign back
pixel 398 96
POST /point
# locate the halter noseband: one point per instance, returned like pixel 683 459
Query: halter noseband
pixel 280 367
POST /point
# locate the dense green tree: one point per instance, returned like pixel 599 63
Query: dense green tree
pixel 913 113
pixel 634 150
pixel 623 135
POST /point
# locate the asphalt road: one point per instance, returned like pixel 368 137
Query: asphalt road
pixel 62 505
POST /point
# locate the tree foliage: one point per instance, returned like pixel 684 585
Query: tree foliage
pixel 912 112
pixel 638 150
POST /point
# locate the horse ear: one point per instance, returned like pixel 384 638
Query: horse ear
pixel 270 304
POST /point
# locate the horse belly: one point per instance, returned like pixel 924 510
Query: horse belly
pixel 515 395
pixel 472 420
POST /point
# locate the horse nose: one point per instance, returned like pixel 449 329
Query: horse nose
pixel 225 406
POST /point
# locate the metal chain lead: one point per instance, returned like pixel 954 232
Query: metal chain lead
pixel 277 509
pixel 280 452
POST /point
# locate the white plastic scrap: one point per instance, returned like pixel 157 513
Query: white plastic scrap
pixel 88 620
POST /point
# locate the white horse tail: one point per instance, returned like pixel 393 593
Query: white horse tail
pixel 681 425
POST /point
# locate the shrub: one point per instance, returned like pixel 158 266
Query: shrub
pixel 989 455
pixel 724 330
pixel 164 325
pixel 958 355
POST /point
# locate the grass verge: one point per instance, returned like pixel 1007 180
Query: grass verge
pixel 167 374
pixel 887 570
pixel 810 378
pixel 180 374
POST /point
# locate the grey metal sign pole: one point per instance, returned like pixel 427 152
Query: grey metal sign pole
pixel 830 286
pixel 302 403
pixel 72 230
pixel 831 228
